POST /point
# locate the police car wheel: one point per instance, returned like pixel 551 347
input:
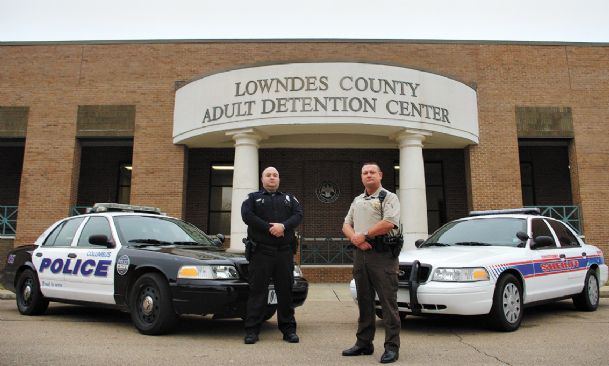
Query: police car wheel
pixel 506 312
pixel 588 299
pixel 30 300
pixel 151 305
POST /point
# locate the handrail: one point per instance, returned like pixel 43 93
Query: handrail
pixel 8 220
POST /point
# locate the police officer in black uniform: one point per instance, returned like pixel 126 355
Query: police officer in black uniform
pixel 271 217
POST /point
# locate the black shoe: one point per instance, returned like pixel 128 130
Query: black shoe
pixel 358 351
pixel 389 356
pixel 250 338
pixel 291 338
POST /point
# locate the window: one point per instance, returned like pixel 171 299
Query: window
pixel 528 186
pixel 540 228
pixel 95 226
pixel 124 183
pixel 220 198
pixel 564 235
pixel 64 233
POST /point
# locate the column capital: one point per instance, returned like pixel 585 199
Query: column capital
pixel 411 137
pixel 254 136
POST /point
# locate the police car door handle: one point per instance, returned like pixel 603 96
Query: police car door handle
pixel 584 254
pixel 71 255
pixel 562 256
pixel 38 254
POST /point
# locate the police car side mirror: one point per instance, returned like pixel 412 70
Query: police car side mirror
pixel 522 236
pixel 419 242
pixel 542 241
pixel 218 240
pixel 100 240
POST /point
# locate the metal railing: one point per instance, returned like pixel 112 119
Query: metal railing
pixel 78 210
pixel 325 251
pixel 8 220
pixel 566 214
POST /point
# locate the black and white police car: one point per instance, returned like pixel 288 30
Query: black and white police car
pixel 497 263
pixel 134 258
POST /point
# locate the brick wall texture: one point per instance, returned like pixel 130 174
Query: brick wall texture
pixel 53 80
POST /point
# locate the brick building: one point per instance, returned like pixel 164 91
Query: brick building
pixel 135 122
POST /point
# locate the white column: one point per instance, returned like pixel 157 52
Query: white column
pixel 245 180
pixel 413 201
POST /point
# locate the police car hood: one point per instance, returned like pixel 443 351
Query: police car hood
pixel 461 256
pixel 195 252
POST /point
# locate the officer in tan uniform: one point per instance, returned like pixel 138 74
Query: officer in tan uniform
pixel 374 215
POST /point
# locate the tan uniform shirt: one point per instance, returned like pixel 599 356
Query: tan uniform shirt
pixel 365 211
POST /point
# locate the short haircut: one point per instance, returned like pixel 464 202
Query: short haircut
pixel 372 163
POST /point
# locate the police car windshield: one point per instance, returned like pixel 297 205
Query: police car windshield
pixel 479 232
pixel 153 230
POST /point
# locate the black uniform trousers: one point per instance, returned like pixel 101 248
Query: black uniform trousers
pixel 264 264
pixel 376 272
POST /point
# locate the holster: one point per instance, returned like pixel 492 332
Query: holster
pixel 250 248
pixel 385 243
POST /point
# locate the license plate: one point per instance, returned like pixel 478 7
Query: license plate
pixel 272 299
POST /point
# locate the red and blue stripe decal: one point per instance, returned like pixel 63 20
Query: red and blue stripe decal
pixel 549 265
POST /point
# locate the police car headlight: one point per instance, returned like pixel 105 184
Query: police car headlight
pixel 208 272
pixel 460 274
pixel 297 272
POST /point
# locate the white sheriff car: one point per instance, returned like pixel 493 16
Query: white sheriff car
pixel 497 263
pixel 137 259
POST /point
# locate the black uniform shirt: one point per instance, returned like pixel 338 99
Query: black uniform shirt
pixel 261 208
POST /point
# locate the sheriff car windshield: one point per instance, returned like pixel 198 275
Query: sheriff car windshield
pixel 148 230
pixel 479 232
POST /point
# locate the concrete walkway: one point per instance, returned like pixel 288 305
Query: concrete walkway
pixel 317 291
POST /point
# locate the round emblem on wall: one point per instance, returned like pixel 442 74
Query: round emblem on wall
pixel 327 192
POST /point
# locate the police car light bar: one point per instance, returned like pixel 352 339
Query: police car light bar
pixel 522 211
pixel 119 207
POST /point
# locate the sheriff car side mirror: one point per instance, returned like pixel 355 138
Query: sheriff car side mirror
pixel 100 240
pixel 419 242
pixel 542 241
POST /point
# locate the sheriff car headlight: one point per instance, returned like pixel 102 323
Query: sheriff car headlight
pixel 297 271
pixel 460 274
pixel 208 272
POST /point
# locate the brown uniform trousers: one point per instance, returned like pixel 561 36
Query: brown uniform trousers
pixel 377 272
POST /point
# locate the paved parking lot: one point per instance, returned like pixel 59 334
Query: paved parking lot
pixel 72 335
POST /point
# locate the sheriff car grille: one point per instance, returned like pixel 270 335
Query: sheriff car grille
pixel 404 274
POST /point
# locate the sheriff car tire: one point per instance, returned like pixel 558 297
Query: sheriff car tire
pixel 30 300
pixel 506 312
pixel 151 305
pixel 587 300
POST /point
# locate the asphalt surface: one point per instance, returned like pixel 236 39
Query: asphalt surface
pixel 73 335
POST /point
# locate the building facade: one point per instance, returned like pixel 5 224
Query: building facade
pixel 188 126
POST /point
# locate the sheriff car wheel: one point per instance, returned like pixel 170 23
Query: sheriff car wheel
pixel 151 305
pixel 588 299
pixel 30 300
pixel 506 313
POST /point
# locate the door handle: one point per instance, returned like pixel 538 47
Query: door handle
pixel 584 254
pixel 72 255
pixel 562 256
pixel 38 254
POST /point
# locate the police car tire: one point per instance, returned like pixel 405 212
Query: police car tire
pixel 152 289
pixel 588 299
pixel 507 286
pixel 30 300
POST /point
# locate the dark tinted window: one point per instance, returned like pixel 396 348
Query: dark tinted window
pixel 540 228
pixel 565 237
pixel 95 226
